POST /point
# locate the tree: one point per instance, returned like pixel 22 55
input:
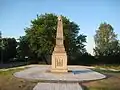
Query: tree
pixel 8 49
pixel 23 48
pixel 106 41
pixel 0 47
pixel 42 32
pixel 0 35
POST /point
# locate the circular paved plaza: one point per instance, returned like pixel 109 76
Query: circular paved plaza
pixel 75 74
pixel 58 81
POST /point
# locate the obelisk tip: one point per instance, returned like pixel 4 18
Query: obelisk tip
pixel 59 17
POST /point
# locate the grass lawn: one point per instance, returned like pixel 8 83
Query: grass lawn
pixel 109 66
pixel 112 82
pixel 9 82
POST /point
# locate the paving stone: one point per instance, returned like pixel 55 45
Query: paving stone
pixel 76 74
pixel 57 86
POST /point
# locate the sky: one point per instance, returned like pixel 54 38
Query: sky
pixel 15 15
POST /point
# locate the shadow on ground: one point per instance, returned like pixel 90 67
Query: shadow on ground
pixel 79 71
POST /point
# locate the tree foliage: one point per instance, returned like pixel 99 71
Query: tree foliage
pixel 42 32
pixel 8 49
pixel 23 49
pixel 0 46
pixel 106 41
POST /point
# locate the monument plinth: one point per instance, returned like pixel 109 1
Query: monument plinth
pixel 59 56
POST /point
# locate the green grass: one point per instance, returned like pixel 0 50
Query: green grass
pixel 9 82
pixel 112 82
pixel 109 66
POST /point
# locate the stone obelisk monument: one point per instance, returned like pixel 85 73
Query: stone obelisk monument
pixel 59 56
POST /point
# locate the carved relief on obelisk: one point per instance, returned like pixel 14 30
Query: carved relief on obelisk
pixel 59 56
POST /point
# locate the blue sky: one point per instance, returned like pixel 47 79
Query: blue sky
pixel 15 15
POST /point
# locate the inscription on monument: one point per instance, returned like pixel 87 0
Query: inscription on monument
pixel 59 62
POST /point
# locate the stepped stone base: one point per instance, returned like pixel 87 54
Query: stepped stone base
pixel 59 70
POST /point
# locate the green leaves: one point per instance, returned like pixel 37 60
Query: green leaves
pixel 106 41
pixel 8 49
pixel 42 33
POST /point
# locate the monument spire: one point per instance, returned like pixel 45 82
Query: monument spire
pixel 59 56
pixel 59 36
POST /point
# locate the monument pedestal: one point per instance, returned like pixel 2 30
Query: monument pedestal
pixel 59 62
